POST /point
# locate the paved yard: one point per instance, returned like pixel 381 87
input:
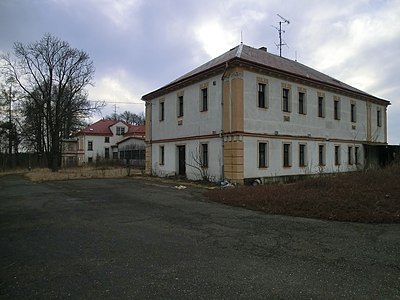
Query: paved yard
pixel 135 239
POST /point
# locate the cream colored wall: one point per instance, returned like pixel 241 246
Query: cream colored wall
pixel 194 122
pixel 259 120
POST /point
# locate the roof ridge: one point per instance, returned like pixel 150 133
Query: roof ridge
pixel 239 50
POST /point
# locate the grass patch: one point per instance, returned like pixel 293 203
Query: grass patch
pixel 368 197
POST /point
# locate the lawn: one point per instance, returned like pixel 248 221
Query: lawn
pixel 370 197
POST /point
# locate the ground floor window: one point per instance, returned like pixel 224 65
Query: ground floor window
pixel 262 155
pixel 286 155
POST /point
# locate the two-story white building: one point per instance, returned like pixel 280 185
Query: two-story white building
pixel 250 114
pixel 105 139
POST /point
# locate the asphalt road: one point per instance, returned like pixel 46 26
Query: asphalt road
pixel 137 239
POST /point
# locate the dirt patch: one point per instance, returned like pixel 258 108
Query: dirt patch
pixel 370 197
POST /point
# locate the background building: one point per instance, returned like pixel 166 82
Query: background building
pixel 103 140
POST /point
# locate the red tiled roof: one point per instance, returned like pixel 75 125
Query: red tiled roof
pixel 138 130
pixel 102 127
pixel 261 58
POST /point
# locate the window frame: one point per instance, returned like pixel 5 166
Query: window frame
pixel 180 106
pixel 321 155
pixel 261 95
pixel 302 155
pixel 302 104
pixel 353 112
pixel 286 100
pixel 379 117
pixel 90 146
pixel 262 163
pixel 161 155
pixel 350 160
pixel 106 139
pixel 321 106
pixel 204 99
pixel 161 111
pixel 287 157
pixel 204 155
pixel 337 155
pixel 336 109
pixel 120 130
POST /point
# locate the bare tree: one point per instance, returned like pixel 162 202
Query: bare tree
pixel 52 76
pixel 129 117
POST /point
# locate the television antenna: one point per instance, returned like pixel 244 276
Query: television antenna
pixel 280 31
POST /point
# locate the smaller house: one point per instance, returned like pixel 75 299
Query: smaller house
pixel 103 140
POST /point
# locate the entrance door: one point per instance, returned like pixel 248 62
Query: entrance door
pixel 181 161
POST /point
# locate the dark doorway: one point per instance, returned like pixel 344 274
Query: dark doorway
pixel 181 161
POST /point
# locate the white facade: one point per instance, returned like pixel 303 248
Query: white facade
pixel 325 135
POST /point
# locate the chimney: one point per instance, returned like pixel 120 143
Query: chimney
pixel 263 49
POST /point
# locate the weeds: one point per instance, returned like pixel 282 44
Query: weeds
pixel 371 197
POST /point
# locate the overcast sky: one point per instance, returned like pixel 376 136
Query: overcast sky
pixel 140 45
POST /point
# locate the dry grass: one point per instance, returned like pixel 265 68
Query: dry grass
pixel 40 175
pixel 372 197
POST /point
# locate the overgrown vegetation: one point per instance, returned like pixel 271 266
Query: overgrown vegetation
pixel 370 197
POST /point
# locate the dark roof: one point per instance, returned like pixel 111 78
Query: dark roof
pixel 265 60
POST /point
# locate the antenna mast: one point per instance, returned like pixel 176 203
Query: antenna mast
pixel 281 43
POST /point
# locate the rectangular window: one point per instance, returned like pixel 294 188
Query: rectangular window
pixel 90 145
pixel 204 99
pixel 161 112
pixel 286 155
pixel 353 112
pixel 285 100
pixel 162 155
pixel 350 155
pixel 337 155
pixel 336 109
pixel 321 107
pixel 302 155
pixel 261 96
pixel 120 130
pixel 106 153
pixel 356 154
pixel 262 155
pixel 180 106
pixel 106 139
pixel 379 118
pixel 115 155
pixel 321 155
pixel 302 103
pixel 204 155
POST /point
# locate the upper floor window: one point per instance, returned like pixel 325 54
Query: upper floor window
pixel 262 101
pixel 336 109
pixel 106 139
pixel 204 99
pixel 353 112
pixel 302 103
pixel 180 106
pixel 379 117
pixel 286 100
pixel 262 155
pixel 120 130
pixel 90 145
pixel 321 107
pixel 162 111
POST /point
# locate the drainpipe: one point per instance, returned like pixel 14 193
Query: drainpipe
pixel 222 118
